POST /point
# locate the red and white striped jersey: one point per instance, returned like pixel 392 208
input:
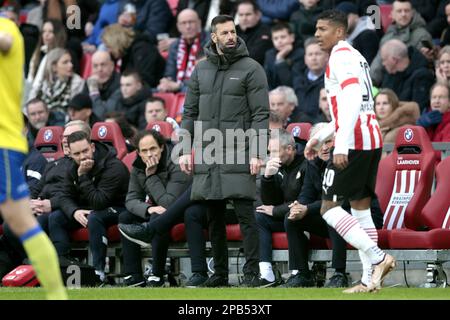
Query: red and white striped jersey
pixel 347 66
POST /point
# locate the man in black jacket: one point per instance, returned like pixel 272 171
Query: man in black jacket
pixel 93 195
pixel 280 186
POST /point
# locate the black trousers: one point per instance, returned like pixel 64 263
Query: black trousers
pixel 298 242
pixel 217 234
pixel 192 213
pixel 266 226
pixel 98 222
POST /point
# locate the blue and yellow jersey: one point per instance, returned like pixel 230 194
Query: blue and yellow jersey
pixel 11 86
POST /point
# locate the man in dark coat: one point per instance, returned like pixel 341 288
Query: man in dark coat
pixel 227 93
pixel 92 196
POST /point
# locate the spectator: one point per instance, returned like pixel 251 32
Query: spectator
pixel 303 20
pixel 309 82
pixel 305 216
pixel 109 12
pixel 184 52
pixel 133 97
pixel 274 11
pixel 284 60
pixel 155 110
pixel 137 52
pixel 255 34
pixel 60 83
pixel 93 195
pixel 39 116
pixel 361 31
pixel 154 175
pixel 443 65
pixel 436 119
pixel 80 108
pixel 283 102
pixel 408 27
pixel 35 15
pixel 406 73
pixel 280 186
pixel 439 21
pixel 201 7
pixel 392 114
pixel 103 84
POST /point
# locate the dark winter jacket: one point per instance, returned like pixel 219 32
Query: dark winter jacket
pixel 303 23
pixel 108 14
pixel 52 181
pixel 414 83
pixel 105 185
pixel 258 40
pixel 281 189
pixel 283 72
pixel 308 93
pixel 311 194
pixel 107 97
pixel 226 92
pixel 163 188
pixel 144 57
pixel 134 107
pixel 277 9
pixel 365 39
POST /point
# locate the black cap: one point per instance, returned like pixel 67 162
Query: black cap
pixel 347 7
pixel 80 101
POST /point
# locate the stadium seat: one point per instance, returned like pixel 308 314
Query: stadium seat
pixel 49 142
pixel 162 127
pixel 385 13
pixel 129 159
pixel 110 133
pixel 404 181
pixel 169 100
pixel 434 217
pixel 86 65
pixel 300 130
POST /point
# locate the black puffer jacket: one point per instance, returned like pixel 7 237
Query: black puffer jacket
pixel 106 185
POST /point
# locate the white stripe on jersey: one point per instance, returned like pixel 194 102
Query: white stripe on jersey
pixel 347 66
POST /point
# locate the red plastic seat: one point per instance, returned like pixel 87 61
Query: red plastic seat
pixel 177 108
pixel 129 159
pixel 404 181
pixel 110 133
pixel 435 216
pixel 300 130
pixel 162 127
pixel 169 98
pixel 86 65
pixel 385 13
pixel 49 142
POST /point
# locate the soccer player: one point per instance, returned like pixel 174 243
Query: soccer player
pixel 357 149
pixel 14 194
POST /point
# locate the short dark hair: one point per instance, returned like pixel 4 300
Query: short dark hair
pixel 36 100
pixel 132 73
pixel 334 16
pixel 281 26
pixel 155 134
pixel 156 99
pixel 119 117
pixel 250 2
pixel 219 20
pixel 78 136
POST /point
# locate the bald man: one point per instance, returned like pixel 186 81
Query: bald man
pixel 102 86
pixel 406 72
pixel 189 47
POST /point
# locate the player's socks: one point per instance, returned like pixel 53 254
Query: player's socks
pixel 349 228
pixel 365 220
pixel 42 255
pixel 265 269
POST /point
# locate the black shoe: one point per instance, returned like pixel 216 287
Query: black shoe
pixel 134 280
pixel 196 280
pixel 155 282
pixel 301 279
pixel 251 280
pixel 264 283
pixel 216 281
pixel 140 233
pixel 338 280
